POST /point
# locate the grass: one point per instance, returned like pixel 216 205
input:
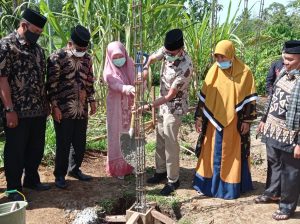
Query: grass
pixel 150 148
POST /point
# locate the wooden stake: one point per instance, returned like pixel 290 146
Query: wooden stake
pixel 161 217
pixel 133 218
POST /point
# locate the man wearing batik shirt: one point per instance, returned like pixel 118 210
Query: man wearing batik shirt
pixel 280 126
pixel 175 76
pixel 70 91
pixel 24 104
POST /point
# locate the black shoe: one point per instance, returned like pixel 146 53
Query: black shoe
pixel 79 175
pixel 15 197
pixel 60 182
pixel 169 188
pixel 157 178
pixel 37 187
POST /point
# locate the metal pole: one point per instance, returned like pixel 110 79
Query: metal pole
pixel 140 204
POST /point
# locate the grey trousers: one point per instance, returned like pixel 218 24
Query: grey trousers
pixel 167 148
pixel 290 182
pixel 273 182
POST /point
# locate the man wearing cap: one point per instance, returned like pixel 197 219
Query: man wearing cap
pixel 70 92
pixel 24 107
pixel 175 76
pixel 280 126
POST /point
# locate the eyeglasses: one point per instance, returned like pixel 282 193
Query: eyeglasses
pixel 172 53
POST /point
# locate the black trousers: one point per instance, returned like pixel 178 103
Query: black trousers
pixel 273 183
pixel 290 182
pixel 69 132
pixel 23 151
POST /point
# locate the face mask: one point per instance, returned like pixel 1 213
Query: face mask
pixel 31 37
pixel 224 64
pixel 78 54
pixel 119 62
pixel 294 72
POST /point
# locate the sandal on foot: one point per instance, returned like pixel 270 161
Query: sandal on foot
pixel 281 215
pixel 264 199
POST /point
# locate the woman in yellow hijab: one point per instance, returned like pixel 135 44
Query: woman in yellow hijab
pixel 225 111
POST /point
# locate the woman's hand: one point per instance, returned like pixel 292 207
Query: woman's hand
pixel 198 125
pixel 245 128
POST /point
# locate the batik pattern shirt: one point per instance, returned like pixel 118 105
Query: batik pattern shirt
pixel 70 83
pixel 176 75
pixel 24 66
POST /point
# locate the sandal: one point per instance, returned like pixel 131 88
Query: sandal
pixel 281 215
pixel 264 199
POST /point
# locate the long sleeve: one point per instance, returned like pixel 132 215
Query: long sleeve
pixel 115 84
pixel 199 110
pixel 53 71
pixel 90 90
pixel 271 77
pixel 249 112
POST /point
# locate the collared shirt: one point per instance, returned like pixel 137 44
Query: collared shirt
pixel 176 75
pixel 25 68
pixel 70 83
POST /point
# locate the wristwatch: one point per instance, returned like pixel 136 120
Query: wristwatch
pixel 9 109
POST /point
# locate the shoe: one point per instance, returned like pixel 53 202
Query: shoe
pixel 79 175
pixel 282 215
pixel 37 187
pixel 120 177
pixel 15 197
pixel 60 182
pixel 157 178
pixel 169 188
pixel 264 199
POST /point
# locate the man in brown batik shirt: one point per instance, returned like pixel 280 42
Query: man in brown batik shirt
pixel 70 92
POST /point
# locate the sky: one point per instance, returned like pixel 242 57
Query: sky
pixel 254 10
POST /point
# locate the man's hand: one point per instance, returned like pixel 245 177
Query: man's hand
pixel 11 119
pixel 245 128
pixel 198 125
pixel 93 108
pixel 141 109
pixel 56 114
pixel 297 152
pixel 145 72
pixel 260 127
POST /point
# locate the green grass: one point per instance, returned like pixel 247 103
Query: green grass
pixel 188 118
pixel 150 148
pixel 172 202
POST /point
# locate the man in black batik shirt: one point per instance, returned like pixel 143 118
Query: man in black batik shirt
pixel 70 92
pixel 24 106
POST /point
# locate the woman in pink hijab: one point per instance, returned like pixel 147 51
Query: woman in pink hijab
pixel 119 76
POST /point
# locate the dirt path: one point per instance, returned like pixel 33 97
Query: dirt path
pixel 61 206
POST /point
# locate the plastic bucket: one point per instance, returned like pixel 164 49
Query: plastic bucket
pixel 13 212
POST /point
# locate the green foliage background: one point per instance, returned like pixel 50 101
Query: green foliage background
pixel 258 41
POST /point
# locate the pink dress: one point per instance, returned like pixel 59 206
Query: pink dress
pixel 118 104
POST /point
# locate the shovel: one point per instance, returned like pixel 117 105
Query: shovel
pixel 127 139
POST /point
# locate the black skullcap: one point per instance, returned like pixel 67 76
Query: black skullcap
pixel 34 18
pixel 292 47
pixel 174 40
pixel 81 36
